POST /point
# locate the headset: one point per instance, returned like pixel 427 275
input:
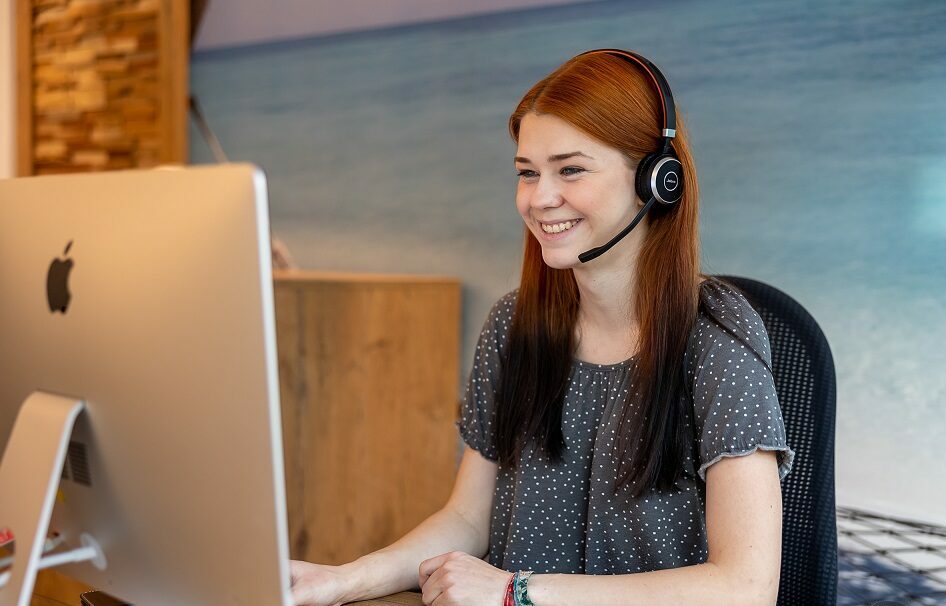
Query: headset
pixel 659 175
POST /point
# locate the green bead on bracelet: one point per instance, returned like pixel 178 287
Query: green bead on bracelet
pixel 520 592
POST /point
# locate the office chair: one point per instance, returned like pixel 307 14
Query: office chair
pixel 803 369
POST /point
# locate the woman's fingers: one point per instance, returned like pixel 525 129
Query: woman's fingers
pixel 431 589
pixel 427 567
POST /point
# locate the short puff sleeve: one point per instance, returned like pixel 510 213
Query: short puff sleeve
pixel 736 409
pixel 477 423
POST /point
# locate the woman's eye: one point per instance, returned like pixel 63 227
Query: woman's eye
pixel 568 171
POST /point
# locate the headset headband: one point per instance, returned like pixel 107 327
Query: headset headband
pixel 660 83
pixel 659 174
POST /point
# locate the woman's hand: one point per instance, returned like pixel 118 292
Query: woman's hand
pixel 459 579
pixel 317 584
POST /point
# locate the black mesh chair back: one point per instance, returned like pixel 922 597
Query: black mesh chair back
pixel 803 370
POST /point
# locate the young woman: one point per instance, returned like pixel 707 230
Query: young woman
pixel 624 439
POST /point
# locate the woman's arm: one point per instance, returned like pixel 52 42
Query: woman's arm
pixel 462 525
pixel 744 536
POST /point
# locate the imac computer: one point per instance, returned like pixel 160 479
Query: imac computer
pixel 139 394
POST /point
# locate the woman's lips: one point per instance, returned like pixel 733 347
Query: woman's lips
pixel 559 235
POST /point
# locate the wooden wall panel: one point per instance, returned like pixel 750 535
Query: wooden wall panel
pixel 174 51
pixel 24 87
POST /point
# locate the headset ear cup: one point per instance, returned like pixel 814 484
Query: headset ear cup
pixel 642 179
pixel 666 175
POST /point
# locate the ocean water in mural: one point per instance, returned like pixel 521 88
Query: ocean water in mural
pixel 819 130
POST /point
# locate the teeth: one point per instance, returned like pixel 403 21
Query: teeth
pixel 558 227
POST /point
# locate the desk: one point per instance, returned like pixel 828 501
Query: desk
pixel 406 598
pixel 66 591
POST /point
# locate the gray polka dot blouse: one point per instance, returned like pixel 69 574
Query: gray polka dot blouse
pixel 564 518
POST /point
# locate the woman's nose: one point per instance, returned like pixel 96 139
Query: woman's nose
pixel 547 194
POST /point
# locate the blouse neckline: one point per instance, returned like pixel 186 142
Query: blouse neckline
pixel 604 367
pixel 705 284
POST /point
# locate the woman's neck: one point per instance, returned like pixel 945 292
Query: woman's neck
pixel 606 331
pixel 607 301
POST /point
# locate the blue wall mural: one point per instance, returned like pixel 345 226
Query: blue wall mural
pixel 819 130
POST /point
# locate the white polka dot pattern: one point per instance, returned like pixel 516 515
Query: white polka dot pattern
pixel 734 399
pixel 565 518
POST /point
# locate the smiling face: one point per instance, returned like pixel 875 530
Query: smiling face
pixel 574 192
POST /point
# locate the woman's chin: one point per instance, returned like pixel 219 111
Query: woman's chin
pixel 560 259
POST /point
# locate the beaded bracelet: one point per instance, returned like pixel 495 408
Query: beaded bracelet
pixel 521 588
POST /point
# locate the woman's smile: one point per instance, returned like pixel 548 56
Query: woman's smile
pixel 558 229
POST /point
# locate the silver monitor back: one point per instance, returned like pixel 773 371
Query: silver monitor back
pixel 169 336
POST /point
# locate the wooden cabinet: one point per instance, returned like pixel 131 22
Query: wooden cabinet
pixel 369 368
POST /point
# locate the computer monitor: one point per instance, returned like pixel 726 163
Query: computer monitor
pixel 148 295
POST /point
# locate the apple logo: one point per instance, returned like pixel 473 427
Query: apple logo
pixel 57 283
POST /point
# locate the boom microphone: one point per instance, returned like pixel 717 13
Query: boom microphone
pixel 594 253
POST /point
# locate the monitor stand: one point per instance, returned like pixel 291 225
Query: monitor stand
pixel 29 478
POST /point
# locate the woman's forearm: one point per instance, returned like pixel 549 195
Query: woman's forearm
pixel 704 584
pixel 395 567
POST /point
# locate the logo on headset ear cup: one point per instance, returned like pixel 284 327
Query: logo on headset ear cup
pixel 667 179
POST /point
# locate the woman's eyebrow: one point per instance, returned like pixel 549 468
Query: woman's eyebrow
pixel 556 157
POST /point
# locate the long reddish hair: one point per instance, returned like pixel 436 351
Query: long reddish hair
pixel 616 103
